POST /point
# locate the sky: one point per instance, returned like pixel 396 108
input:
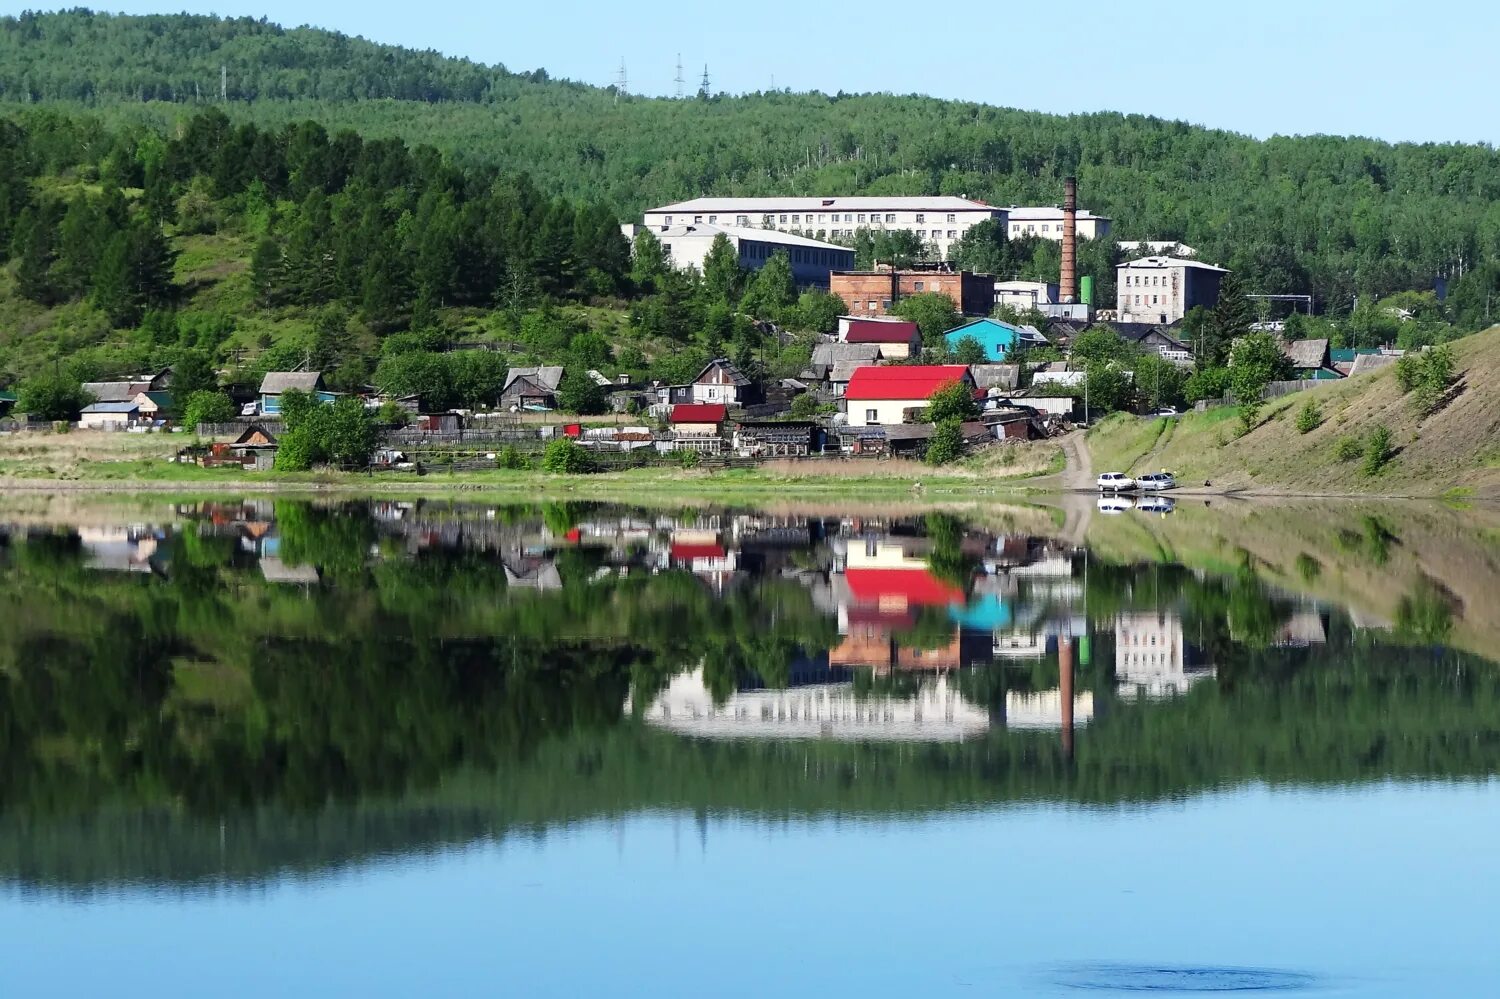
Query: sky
pixel 1400 71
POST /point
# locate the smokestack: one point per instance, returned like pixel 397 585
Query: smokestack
pixel 1065 691
pixel 1067 287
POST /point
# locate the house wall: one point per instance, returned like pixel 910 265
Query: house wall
pixel 888 411
pixel 874 294
pixel 940 229
pixel 1049 225
pixel 1025 295
pixel 101 421
pixel 707 392
pixel 865 294
pixel 1164 294
pixel 695 429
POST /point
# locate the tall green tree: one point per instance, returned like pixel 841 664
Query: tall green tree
pixel 722 276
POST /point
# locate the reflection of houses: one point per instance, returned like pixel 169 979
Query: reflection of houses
pixel 704 557
pixel 120 549
pixel 1044 709
pixel 1152 659
pixel 935 713
pixel 884 585
pixel 1302 629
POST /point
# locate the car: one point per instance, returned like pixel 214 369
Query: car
pixel 1114 503
pixel 1156 481
pixel 1115 482
pixel 1167 411
pixel 1155 504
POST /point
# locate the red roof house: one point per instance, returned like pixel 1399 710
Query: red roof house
pixel 699 412
pixel 870 331
pixel 883 396
pixel 901 588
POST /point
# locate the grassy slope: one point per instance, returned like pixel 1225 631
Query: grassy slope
pixel 1458 447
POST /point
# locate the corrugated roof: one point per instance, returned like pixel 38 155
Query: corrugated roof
pixel 277 382
pixel 735 376
pixel 832 353
pixel 912 587
pixel 1366 363
pixel 736 232
pixel 902 381
pixel 1001 376
pixel 113 391
pixel 1161 263
pixel 699 412
pixel 544 376
pixel 865 331
pixel 7 396
pixel 111 407
pixel 843 204
pixel 1047 213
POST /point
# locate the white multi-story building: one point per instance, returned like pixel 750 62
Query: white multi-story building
pixel 1163 289
pixel 686 245
pixel 1048 223
pixel 938 221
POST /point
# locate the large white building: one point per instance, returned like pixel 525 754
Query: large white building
pixel 1164 289
pixel 938 221
pixel 1047 223
pixel 687 244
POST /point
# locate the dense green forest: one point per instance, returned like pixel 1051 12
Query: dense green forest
pixel 407 701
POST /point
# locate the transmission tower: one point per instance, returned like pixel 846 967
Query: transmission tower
pixel 620 82
pixel 678 77
pixel 703 87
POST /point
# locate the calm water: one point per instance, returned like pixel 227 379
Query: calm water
pixel 583 749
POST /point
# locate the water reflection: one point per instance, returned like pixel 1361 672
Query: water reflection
pixel 326 680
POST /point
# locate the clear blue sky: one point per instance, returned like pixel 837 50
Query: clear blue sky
pixel 1393 70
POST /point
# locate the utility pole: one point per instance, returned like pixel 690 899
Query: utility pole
pixel 678 78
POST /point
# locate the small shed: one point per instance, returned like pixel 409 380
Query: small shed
pixel 109 415
pixel 277 383
pixel 776 438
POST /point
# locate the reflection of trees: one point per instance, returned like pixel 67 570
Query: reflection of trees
pixel 1426 613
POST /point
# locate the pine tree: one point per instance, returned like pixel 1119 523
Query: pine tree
pixel 35 250
pixel 113 289
pixel 1231 319
pixel 78 248
pixel 722 276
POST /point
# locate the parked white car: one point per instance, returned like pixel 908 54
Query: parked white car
pixel 1115 482
pixel 1113 503
pixel 1155 504
pixel 1156 481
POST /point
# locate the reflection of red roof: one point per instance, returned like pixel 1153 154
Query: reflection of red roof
pixel 865 331
pixel 686 553
pixel 915 586
pixel 699 412
pixel 873 619
pixel 902 381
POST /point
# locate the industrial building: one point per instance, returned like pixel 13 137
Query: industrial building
pixel 874 293
pixel 1048 222
pixel 1163 289
pixel 937 221
pixel 686 245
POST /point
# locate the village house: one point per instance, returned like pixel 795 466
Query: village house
pixel 156 405
pixel 896 339
pixel 125 390
pixel 721 381
pixel 698 426
pixel 109 415
pixel 997 338
pixel 275 383
pixel 1164 289
pixel 1311 360
pixel 776 438
pixel 531 388
pixel 876 292
pixel 1149 336
pixel 882 396
pixel 826 355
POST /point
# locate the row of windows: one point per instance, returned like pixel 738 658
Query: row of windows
pixel 809 219
pixel 1139 281
pixel 884 303
pixel 799 255
pixel 1126 299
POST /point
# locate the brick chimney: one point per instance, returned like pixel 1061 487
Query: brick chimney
pixel 1067 286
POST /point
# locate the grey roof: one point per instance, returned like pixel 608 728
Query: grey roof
pixel 736 376
pixel 1042 213
pixel 111 407
pixel 1308 353
pixel 1002 376
pixel 277 382
pixel 112 391
pixel 742 233
pixel 1161 263
pixel 849 204
pixel 546 376
pixel 1366 363
pixel 908 431
pixel 827 354
pixel 842 371
pixel 276 571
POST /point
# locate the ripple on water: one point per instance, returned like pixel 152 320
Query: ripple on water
pixel 1178 979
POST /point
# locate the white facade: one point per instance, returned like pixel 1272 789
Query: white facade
pixel 1023 295
pixel 687 246
pixel 1163 289
pixel 938 221
pixel 1151 656
pixel 1048 223
pixel 882 412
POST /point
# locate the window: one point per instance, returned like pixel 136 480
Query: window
pixel 669 220
pixel 848 218
pixel 712 219
pixel 1137 300
pixel 768 220
pixel 742 220
pixel 952 233
pixel 952 217
pixel 1031 228
pixel 861 216
pixel 697 219
pixel 783 220
pixel 891 218
pixel 921 217
pixel 918 286
pixel 1044 227
pixel 872 305
pixel 796 220
pixel 822 218
pixel 885 303
pixel 871 416
pixel 1153 299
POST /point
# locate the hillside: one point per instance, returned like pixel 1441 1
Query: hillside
pixel 1321 215
pixel 1456 449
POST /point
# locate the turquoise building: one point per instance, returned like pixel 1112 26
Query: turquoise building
pixel 997 338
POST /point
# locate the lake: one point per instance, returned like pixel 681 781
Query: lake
pixel 400 747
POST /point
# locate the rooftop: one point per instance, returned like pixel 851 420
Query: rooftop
pixel 744 232
pixel 283 381
pixel 545 376
pixel 699 412
pixel 111 407
pixel 902 381
pixel 1308 353
pixel 1161 263
pixel 1022 213
pixel 864 331
pixel 852 204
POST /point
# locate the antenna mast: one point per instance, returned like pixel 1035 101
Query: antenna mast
pixel 703 87
pixel 678 78
pixel 621 83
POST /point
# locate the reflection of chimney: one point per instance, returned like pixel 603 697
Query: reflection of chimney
pixel 1065 690
pixel 1067 289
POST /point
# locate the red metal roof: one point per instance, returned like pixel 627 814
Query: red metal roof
pixel 902 381
pixel 686 553
pixel 914 587
pixel 699 412
pixel 868 331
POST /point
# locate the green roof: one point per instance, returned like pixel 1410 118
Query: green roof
pixel 163 400
pixel 7 396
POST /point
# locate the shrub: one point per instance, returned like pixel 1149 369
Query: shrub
pixel 566 456
pixel 687 458
pixel 1426 377
pixel 392 414
pixel 208 407
pixel 510 457
pixel 52 397
pixel 1377 451
pixel 804 406
pixel 1347 448
pixel 1310 417
pixel 947 443
pixel 1408 372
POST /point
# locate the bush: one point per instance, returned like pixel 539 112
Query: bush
pixel 687 458
pixel 1347 448
pixel 1377 451
pixel 954 401
pixel 947 443
pixel 393 414
pixel 207 407
pixel 52 397
pixel 1426 376
pixel 565 456
pixel 511 458
pixel 1408 372
pixel 805 406
pixel 1310 417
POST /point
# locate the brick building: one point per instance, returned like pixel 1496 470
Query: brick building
pixel 874 293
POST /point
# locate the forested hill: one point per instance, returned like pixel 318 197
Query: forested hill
pixel 1330 216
